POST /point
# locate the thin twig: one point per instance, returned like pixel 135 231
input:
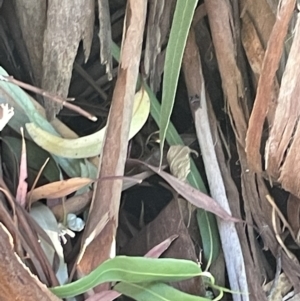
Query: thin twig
pixel 54 97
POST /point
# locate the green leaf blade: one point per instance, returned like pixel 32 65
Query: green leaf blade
pixel 131 270
pixel 182 20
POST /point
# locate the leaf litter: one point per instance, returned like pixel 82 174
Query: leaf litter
pixel 247 181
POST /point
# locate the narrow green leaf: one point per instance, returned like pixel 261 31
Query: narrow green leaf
pixel 154 292
pixel 182 20
pixel 131 269
pixel 210 237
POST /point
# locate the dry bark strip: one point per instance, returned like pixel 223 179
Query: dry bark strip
pixel 17 282
pixel 265 85
pixel 282 149
pixel 106 199
pixel 254 190
pixel 32 19
pixel 229 238
pixel 67 24
pixel 255 54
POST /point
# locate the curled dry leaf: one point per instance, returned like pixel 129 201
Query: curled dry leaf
pixel 179 160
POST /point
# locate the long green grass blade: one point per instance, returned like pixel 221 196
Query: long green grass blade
pixel 181 23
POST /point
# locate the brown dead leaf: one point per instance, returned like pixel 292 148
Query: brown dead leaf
pixel 58 189
pixel 263 14
pixel 194 196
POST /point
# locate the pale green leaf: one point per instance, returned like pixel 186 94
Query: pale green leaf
pixel 90 145
pixel 131 269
